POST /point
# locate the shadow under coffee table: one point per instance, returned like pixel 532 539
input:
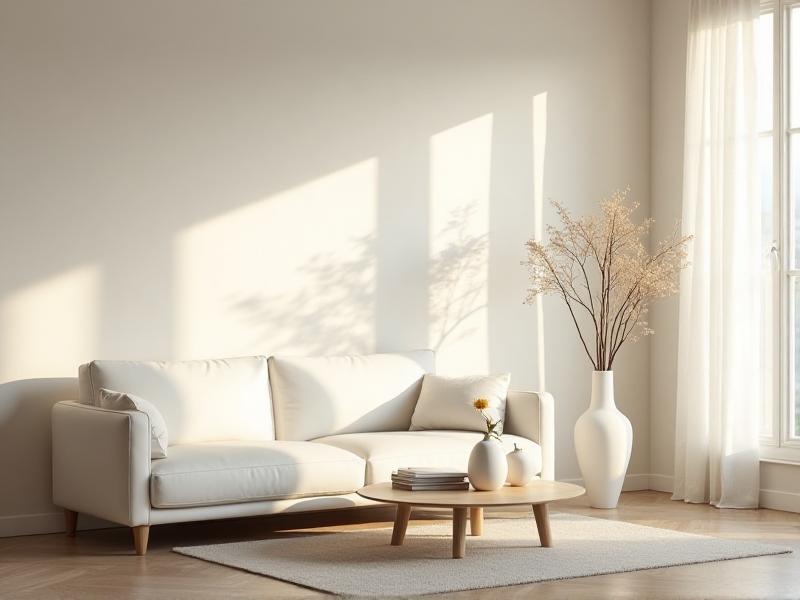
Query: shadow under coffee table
pixel 538 494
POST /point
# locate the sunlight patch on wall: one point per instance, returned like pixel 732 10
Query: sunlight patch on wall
pixel 539 144
pixel 459 246
pixel 293 273
pixel 50 327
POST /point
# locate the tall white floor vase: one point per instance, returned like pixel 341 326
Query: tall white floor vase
pixel 603 441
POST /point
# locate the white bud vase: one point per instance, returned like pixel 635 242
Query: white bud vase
pixel 603 441
pixel 487 468
pixel 522 466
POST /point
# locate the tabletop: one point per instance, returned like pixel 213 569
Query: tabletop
pixel 536 492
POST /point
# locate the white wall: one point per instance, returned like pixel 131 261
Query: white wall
pixel 195 178
pixel 669 21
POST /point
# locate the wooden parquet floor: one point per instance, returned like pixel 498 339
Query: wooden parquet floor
pixel 101 564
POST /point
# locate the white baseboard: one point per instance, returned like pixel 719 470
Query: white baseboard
pixel 634 482
pixel 661 483
pixel 53 522
pixel 780 500
pixel 774 499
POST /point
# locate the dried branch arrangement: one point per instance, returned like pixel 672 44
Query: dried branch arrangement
pixel 606 276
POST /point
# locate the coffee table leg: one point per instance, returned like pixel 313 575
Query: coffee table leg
pixel 476 521
pixel 543 525
pixel 459 532
pixel 400 524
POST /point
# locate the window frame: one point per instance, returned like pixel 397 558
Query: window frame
pixel 779 446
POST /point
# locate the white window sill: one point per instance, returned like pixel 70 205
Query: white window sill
pixel 783 455
pixel 778 461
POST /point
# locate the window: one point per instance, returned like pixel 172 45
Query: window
pixel 778 64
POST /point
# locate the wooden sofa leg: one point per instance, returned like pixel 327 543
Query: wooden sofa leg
pixel 141 534
pixel 70 521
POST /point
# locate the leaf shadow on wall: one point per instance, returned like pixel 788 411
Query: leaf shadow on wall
pixel 337 299
pixel 457 278
pixel 320 317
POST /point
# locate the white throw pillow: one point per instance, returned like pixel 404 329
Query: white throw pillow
pixel 446 402
pixel 158 428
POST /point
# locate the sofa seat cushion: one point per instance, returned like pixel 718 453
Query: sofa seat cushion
pixel 232 472
pixel 387 451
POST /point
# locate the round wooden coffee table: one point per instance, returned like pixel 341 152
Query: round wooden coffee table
pixel 537 493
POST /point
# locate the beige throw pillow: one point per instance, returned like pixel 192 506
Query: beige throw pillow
pixel 158 428
pixel 446 402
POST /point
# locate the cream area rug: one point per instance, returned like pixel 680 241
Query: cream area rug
pixel 363 563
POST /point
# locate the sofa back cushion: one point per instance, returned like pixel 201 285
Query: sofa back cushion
pixel 201 400
pixel 318 396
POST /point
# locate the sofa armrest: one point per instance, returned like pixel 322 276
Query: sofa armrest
pixel 101 462
pixel 531 415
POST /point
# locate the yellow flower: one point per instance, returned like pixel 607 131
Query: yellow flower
pixel 480 403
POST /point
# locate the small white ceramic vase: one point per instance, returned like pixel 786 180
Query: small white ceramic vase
pixel 521 466
pixel 603 441
pixel 487 468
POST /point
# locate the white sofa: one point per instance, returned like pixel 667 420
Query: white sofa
pixel 256 436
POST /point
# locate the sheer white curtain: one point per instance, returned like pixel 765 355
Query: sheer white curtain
pixel 716 445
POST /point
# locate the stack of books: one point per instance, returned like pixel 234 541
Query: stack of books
pixel 418 479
